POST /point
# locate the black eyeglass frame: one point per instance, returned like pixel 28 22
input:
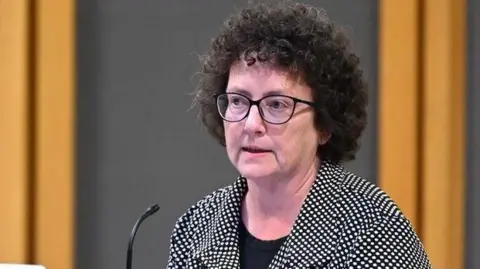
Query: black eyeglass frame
pixel 257 103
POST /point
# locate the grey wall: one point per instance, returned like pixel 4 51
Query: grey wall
pixel 137 141
pixel 473 141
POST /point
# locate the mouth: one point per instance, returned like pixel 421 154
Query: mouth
pixel 255 150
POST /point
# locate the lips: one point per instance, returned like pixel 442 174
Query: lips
pixel 255 150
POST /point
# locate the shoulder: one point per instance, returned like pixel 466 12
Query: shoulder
pixel 363 206
pixel 360 195
pixel 384 236
pixel 208 207
pixel 189 225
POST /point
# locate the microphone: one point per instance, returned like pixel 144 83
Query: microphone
pixel 150 211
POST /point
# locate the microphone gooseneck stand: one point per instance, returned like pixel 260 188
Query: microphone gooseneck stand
pixel 150 211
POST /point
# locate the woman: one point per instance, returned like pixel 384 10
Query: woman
pixel 283 93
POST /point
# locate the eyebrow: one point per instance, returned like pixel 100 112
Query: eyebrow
pixel 247 93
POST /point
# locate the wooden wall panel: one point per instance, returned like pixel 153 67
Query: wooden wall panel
pixel 55 137
pixel 443 140
pixel 399 98
pixel 15 127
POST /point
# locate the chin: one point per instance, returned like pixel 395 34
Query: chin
pixel 256 171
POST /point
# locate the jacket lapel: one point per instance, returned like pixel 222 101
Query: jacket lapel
pixel 315 233
pixel 220 247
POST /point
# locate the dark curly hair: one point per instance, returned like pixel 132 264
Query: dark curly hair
pixel 306 42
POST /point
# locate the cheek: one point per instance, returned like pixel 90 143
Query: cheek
pixel 299 140
pixel 231 132
pixel 293 144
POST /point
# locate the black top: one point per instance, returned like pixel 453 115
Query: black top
pixel 256 253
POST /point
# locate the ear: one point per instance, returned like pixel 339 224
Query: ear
pixel 323 138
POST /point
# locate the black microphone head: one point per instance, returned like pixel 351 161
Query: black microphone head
pixel 152 209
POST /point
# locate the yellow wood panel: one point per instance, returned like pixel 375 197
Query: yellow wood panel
pixel 444 135
pixel 55 224
pixel 14 131
pixel 399 102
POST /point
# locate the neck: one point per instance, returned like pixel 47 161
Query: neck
pixel 272 205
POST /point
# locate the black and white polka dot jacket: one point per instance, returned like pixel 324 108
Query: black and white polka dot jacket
pixel 345 222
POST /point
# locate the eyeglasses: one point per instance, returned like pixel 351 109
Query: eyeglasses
pixel 274 109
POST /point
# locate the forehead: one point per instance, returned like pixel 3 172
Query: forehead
pixel 261 78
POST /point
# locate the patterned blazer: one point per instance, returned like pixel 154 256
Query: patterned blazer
pixel 345 222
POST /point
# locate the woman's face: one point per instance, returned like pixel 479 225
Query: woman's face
pixel 259 149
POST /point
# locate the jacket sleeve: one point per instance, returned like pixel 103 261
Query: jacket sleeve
pixel 180 242
pixel 390 243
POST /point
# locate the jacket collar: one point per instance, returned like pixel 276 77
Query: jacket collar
pixel 313 238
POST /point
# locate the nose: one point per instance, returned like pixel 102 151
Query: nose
pixel 254 123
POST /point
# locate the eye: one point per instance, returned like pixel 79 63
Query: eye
pixel 237 101
pixel 277 104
